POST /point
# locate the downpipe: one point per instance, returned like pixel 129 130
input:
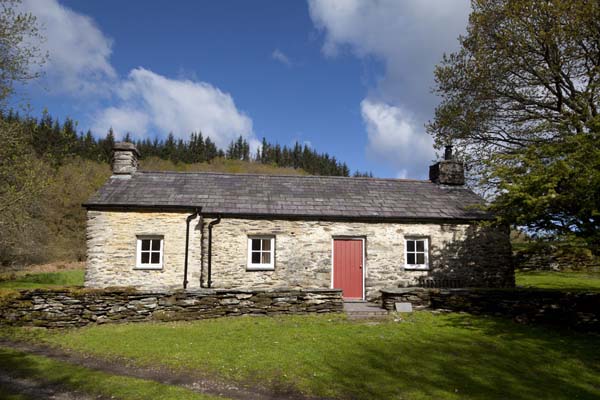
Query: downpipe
pixel 188 220
pixel 210 227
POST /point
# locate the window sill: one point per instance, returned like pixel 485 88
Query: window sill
pixel 416 268
pixel 260 268
pixel 144 268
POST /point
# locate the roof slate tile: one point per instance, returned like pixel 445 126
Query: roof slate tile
pixel 279 195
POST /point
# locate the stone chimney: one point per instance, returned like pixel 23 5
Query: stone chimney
pixel 124 159
pixel 448 171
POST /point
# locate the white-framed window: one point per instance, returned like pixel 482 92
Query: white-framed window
pixel 149 252
pixel 261 252
pixel 416 253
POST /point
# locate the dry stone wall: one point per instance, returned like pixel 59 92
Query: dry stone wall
pixel 75 308
pixel 579 310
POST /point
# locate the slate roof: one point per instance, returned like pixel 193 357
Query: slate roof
pixel 290 196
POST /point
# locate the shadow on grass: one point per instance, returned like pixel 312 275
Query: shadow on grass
pixel 426 356
pixel 503 361
pixel 22 365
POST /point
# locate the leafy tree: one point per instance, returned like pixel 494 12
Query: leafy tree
pixel 554 187
pixel 520 103
pixel 22 176
pixel 23 180
pixel 20 53
pixel 63 217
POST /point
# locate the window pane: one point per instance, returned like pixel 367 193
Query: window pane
pixel 145 258
pixel 156 244
pixel 255 257
pixel 420 258
pixel 155 258
pixel 266 258
pixel 255 244
pixel 420 245
pixel 410 258
pixel 146 244
pixel 410 245
pixel 266 244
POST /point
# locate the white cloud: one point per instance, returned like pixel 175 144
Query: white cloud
pixel 280 56
pixel 144 102
pixel 402 174
pixel 396 137
pixel 170 105
pixel 409 37
pixel 79 53
pixel 122 120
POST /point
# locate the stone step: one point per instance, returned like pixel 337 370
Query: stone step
pixel 363 310
pixel 354 316
pixel 378 312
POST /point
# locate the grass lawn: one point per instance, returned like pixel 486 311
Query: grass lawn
pixel 441 356
pixel 44 280
pixel 87 380
pixel 559 280
pixel 6 395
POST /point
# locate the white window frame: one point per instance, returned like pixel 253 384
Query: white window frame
pixel 261 266
pixel 426 252
pixel 138 259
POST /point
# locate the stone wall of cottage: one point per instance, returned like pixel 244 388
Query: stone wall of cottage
pixel 112 243
pixel 468 255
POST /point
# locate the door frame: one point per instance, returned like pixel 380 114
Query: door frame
pixel 364 264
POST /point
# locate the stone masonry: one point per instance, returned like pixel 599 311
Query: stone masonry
pixel 572 309
pixel 60 308
pixel 475 255
pixel 112 242
pixel 124 159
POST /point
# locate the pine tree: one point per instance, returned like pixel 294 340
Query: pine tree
pixel 264 151
pixel 168 149
pixel 211 149
pixel 55 142
pixel 88 147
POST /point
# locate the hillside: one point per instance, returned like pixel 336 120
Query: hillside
pixel 218 165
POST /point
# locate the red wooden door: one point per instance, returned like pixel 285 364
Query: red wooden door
pixel 348 268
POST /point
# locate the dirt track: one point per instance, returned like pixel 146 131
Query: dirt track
pixel 197 382
pixel 38 390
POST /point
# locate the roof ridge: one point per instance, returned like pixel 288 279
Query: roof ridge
pixel 286 176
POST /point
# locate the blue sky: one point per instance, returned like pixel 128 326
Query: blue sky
pixel 349 77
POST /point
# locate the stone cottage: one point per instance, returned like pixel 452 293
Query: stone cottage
pixel 174 230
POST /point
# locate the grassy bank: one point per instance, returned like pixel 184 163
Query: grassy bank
pixel 43 280
pixel 559 280
pixel 447 356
